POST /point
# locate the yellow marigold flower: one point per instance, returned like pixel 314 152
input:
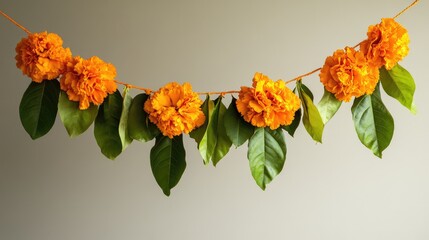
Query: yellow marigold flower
pixel 387 43
pixel 348 74
pixel 175 109
pixel 268 103
pixel 88 81
pixel 42 56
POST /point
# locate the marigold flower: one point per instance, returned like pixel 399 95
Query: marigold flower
pixel 175 109
pixel 268 103
pixel 348 74
pixel 88 81
pixel 387 43
pixel 42 56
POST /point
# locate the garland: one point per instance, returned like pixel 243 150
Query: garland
pixel 84 92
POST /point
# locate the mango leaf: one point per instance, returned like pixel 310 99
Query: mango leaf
pixel 306 90
pixel 198 133
pixel 214 143
pixel 373 122
pixel 311 119
pixel 75 121
pixel 123 121
pixel 399 84
pixel 328 106
pixel 266 154
pixel 139 126
pixel 167 160
pixel 223 144
pixel 39 106
pixel 291 128
pixel 237 129
pixel 106 126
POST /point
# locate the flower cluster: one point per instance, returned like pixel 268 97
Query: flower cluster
pixel 41 56
pixel 387 43
pixel 267 103
pixel 349 73
pixel 175 109
pixel 88 81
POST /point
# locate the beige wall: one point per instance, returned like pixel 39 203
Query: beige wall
pixel 62 188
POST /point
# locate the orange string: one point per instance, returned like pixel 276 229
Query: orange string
pixel 355 46
pixel 406 9
pixel 303 75
pixel 397 15
pixel 315 70
pixel 14 22
pixel 219 93
pixel 149 91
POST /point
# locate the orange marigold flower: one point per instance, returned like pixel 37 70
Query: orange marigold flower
pixel 387 43
pixel 88 81
pixel 268 103
pixel 175 109
pixel 42 56
pixel 348 74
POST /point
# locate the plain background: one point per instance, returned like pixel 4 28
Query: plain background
pixel 63 188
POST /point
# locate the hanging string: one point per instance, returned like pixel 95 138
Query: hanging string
pixel 14 22
pixel 218 93
pixel 406 9
pixel 303 75
pixel 149 91
pixel 146 90
pixel 316 70
pixel 397 15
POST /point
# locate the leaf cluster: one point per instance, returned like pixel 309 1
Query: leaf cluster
pixel 120 119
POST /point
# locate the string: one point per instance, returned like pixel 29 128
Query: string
pixel 218 93
pixel 14 22
pixel 149 91
pixel 406 9
pixel 303 75
pixel 146 90
pixel 316 70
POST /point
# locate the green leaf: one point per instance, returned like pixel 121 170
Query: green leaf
pixel 266 154
pixel 75 121
pixel 328 106
pixel 123 121
pixel 198 133
pixel 167 160
pixel 311 119
pixel 39 106
pixel 238 130
pixel 399 84
pixel 306 90
pixel 139 126
pixel 214 143
pixel 291 128
pixel 208 142
pixel 223 144
pixel 106 126
pixel 373 122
